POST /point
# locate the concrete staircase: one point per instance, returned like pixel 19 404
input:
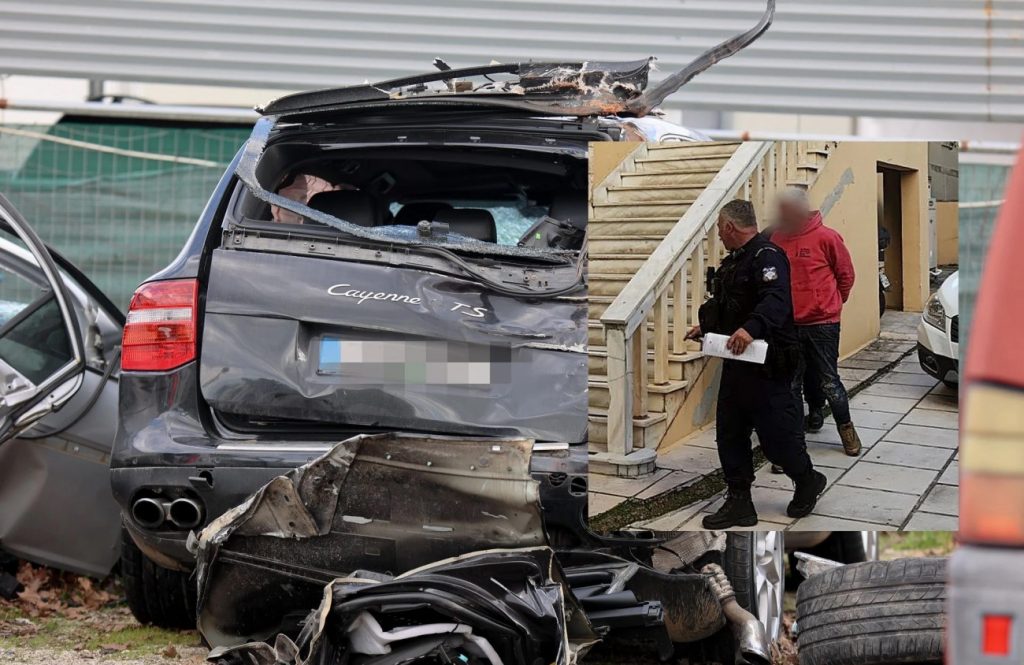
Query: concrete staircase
pixel 632 212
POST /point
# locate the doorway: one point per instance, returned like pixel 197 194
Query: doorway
pixel 890 223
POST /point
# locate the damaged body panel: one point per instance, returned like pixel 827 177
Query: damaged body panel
pixel 59 341
pixel 420 352
pixel 386 503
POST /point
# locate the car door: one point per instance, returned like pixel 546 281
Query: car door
pixel 42 359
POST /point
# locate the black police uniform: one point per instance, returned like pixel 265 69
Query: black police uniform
pixel 750 290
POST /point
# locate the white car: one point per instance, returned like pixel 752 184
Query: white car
pixel 938 334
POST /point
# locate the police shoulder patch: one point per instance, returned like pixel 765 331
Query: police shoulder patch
pixel 769 274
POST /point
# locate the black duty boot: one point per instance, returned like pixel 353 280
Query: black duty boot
pixel 738 510
pixel 814 421
pixel 805 495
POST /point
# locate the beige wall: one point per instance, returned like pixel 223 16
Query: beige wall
pixel 948 231
pixel 606 156
pixel 847 191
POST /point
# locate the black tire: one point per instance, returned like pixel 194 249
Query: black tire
pixel 738 564
pixel 873 613
pixel 156 595
pixel 841 546
pixel 951 384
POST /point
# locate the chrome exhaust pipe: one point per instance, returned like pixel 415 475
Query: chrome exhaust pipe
pixel 752 646
pixel 185 513
pixel 149 513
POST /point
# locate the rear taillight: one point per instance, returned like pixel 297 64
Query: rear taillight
pixel 995 634
pixel 160 330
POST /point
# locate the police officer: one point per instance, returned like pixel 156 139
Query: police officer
pixel 751 300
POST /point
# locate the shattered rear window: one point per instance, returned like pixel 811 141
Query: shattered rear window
pixel 508 219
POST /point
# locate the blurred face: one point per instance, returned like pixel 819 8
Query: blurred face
pixel 791 216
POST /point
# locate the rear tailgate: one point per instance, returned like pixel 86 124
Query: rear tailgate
pixel 349 344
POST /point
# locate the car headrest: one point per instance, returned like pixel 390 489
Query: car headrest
pixel 570 207
pixel 472 222
pixel 350 205
pixel 413 213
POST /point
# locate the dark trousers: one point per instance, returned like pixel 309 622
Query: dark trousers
pixel 817 376
pixel 751 401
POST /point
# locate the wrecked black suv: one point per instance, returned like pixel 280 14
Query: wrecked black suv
pixel 403 257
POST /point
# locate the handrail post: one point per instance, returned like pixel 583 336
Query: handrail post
pixel 661 338
pixel 679 327
pixel 638 347
pixel 620 392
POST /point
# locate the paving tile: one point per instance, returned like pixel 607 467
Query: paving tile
pixel 674 520
pixel 855 376
pixel 780 481
pixel 909 366
pixel 931 418
pixel 703 439
pixel 868 435
pixel 943 389
pixel 668 482
pixel 599 503
pixel 943 499
pixel 895 390
pixel 908 379
pixel 951 476
pixel 904 454
pixel 924 436
pixel 603 484
pixel 827 523
pixel 830 455
pixel 690 458
pixel 931 522
pixel 889 477
pixel 940 403
pixel 854 363
pixel 888 404
pixel 868 418
pixel 865 505
pixel 877 354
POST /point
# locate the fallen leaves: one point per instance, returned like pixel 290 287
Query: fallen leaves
pixel 48 592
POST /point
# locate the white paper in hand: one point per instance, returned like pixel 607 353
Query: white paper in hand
pixel 714 345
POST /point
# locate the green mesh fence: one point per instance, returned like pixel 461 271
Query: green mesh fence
pixel 978 183
pixel 118 200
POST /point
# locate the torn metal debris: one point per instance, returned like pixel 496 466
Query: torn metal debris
pixel 432 549
pixel 387 503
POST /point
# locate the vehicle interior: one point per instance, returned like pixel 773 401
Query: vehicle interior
pixel 500 196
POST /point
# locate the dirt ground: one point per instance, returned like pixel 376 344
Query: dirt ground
pixel 64 619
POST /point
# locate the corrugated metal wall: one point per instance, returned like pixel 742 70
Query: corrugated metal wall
pixel 955 59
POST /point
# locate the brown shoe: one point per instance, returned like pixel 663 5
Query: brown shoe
pixel 851 442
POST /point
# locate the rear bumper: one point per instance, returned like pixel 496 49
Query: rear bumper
pixel 984 581
pixel 222 486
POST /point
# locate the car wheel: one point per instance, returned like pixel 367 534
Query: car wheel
pixel 156 595
pixel 873 613
pixel 951 384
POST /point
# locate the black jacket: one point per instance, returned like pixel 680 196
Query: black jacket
pixel 753 292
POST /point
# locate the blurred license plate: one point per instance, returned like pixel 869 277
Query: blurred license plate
pixel 413 362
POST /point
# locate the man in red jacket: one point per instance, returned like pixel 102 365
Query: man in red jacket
pixel 822 278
